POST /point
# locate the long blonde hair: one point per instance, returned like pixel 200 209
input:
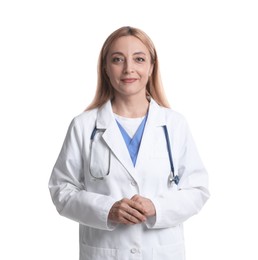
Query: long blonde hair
pixel 104 90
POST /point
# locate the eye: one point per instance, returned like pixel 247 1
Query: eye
pixel 117 59
pixel 140 59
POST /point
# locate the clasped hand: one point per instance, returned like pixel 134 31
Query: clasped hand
pixel 132 211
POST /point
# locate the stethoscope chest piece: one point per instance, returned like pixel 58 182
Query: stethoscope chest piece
pixel 174 179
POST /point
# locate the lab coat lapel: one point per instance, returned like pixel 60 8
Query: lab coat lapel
pixel 156 118
pixel 113 137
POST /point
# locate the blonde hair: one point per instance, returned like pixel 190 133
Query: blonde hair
pixel 104 90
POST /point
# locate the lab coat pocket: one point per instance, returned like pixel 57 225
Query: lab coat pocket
pixel 100 157
pixel 174 251
pixel 96 253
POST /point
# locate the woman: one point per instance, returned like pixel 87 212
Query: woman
pixel 129 171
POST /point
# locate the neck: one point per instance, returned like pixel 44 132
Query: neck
pixel 130 106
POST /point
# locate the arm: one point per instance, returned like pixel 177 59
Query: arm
pixel 67 188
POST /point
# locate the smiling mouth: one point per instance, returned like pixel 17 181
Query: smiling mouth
pixel 129 80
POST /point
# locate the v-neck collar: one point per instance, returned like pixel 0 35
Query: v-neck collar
pixel 133 144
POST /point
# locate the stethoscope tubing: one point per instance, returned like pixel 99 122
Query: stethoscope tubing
pixel 172 178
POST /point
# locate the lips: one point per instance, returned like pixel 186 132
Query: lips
pixel 129 80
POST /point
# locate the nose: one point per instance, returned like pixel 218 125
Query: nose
pixel 128 67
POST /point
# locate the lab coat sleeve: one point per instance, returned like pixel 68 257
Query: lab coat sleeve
pixel 67 189
pixel 181 202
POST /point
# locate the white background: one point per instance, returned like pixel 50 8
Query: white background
pixel 209 62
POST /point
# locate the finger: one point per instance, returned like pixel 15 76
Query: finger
pixel 125 203
pixel 130 219
pixel 121 212
pixel 132 209
pixel 136 214
pixel 136 197
pixel 125 217
pixel 139 199
pixel 136 205
pixel 147 204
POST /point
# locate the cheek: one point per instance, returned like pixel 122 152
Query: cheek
pixel 113 75
pixel 112 72
pixel 146 72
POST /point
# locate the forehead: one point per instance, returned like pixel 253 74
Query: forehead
pixel 128 44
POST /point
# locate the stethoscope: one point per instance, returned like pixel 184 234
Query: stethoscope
pixel 172 177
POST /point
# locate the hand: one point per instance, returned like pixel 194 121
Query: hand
pixel 148 206
pixel 127 211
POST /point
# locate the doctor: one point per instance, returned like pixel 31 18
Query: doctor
pixel 129 171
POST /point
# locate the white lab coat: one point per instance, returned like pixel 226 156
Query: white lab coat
pixel 80 197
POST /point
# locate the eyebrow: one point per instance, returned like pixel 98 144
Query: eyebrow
pixel 135 53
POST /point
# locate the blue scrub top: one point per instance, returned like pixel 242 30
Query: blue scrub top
pixel 133 144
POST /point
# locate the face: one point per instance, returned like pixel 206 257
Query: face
pixel 128 66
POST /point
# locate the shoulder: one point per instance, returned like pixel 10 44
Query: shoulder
pixel 85 121
pixel 166 116
pixel 87 115
pixel 171 116
pixel 176 122
pixel 177 126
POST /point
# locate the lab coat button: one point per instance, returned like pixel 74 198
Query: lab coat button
pixel 133 183
pixel 133 250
